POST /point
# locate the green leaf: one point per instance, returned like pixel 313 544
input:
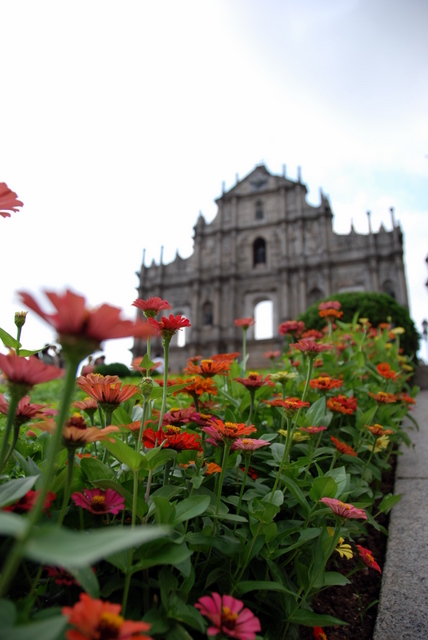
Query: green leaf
pixel 190 508
pixel 125 454
pixel 15 489
pixel 324 487
pixel 49 629
pixel 11 524
pixel 341 478
pixel 334 578
pixel 120 416
pixel 157 457
pixel 94 470
pixel 261 585
pixel 312 619
pixel 7 340
pixel 316 415
pixel 7 612
pixel 388 502
pixel 170 554
pixel 50 545
pixel 87 579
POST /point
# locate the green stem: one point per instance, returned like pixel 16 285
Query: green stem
pixel 14 558
pixel 244 350
pixel 16 431
pixel 165 342
pixel 67 488
pixel 143 421
pixel 13 405
pixel 131 551
pixel 241 493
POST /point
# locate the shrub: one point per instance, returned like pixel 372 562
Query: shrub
pixel 377 307
pixel 114 369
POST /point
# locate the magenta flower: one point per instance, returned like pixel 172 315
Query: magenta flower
pixel 344 509
pixel 8 201
pixel 228 617
pixel 99 502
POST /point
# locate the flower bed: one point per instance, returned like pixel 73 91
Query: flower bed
pixel 220 502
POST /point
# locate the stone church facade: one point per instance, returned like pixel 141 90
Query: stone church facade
pixel 267 244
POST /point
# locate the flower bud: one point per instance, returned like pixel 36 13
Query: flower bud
pixel 146 386
pixel 20 317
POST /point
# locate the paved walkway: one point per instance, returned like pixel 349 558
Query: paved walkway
pixel 403 608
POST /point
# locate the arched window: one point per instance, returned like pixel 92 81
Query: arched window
pixel 181 337
pixel 207 314
pixel 263 315
pixel 259 251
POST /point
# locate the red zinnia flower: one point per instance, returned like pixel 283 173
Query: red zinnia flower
pixel 343 447
pixel 8 201
pixel 290 405
pixel 272 355
pixel 73 321
pixel 20 371
pixel 172 440
pixel 319 634
pixel 313 333
pixel 168 326
pixel 151 306
pixel 228 617
pixel 368 559
pixel 97 620
pixel 312 430
pixel 61 576
pixel 245 323
pixel 342 404
pixel 27 502
pixel 404 397
pixel 344 509
pixel 98 501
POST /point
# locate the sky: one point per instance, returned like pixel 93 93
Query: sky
pixel 120 121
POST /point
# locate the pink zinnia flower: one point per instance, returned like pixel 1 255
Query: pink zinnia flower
pixel 25 410
pixel 310 347
pixel 72 320
pixel 295 327
pixel 8 201
pixel 245 323
pixel 151 306
pixel 368 559
pixel 27 372
pixel 99 502
pixel 248 444
pixel 344 509
pixel 228 617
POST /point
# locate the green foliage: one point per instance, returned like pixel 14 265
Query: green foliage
pixel 114 369
pixel 377 307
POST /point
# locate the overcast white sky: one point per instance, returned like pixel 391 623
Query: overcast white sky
pixel 121 119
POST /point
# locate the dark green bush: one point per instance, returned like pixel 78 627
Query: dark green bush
pixel 114 369
pixel 377 307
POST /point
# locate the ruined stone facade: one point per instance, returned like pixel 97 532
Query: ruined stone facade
pixel 267 243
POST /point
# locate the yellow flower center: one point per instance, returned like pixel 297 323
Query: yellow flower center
pixel 109 626
pixel 98 503
pixel 228 618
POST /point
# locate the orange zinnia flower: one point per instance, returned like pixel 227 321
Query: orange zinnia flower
pixel 385 371
pixel 198 385
pixel 77 325
pixel 325 383
pixel 208 368
pixel 229 357
pixel 106 390
pixel 8 201
pixel 404 397
pixel 94 620
pixel 77 435
pixel 220 431
pixel 342 404
pixel 378 430
pixel 343 447
pixel 290 405
pixel 383 397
